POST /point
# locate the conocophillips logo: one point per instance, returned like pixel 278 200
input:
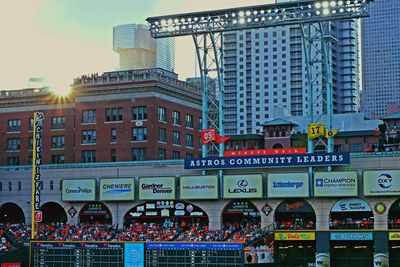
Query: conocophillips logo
pixel 78 190
pixel 385 180
pixel 242 188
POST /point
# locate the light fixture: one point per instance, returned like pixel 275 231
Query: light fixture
pixel 241 21
pixel 325 4
pixel 325 11
pixel 248 13
pixel 333 3
pixel 340 3
pixel 241 14
pixel 318 5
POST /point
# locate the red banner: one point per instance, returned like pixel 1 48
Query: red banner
pixel 269 151
pixel 209 135
pixel 11 264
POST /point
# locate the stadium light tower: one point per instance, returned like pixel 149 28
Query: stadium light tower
pixel 207 29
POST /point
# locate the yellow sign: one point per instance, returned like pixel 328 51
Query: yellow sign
pixel 330 133
pixel 315 130
pixel 293 236
pixel 394 236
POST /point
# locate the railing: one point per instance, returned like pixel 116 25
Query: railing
pixel 260 234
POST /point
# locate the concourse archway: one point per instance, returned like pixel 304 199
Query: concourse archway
pixel 95 213
pixel 241 211
pixel 53 213
pixel 11 213
pixel 294 235
pixel 351 238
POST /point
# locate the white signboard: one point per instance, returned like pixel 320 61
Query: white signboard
pixel 335 184
pixel 382 183
pixel 199 187
pixel 287 185
pixel 351 205
pixel 156 188
pixel 79 190
pixel 117 189
pixel 243 186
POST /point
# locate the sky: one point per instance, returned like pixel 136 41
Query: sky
pixel 62 39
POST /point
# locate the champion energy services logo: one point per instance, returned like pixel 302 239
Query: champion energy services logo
pixel 385 180
pixel 319 182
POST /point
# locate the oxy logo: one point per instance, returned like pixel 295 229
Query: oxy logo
pixel 385 180
pixel 242 183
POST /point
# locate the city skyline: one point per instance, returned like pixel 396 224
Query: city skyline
pixel 60 40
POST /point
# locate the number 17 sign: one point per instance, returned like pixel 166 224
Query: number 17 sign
pixel 315 130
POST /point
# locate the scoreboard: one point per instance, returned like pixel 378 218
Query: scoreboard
pixel 129 254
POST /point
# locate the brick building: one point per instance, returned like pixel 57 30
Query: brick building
pixel 129 115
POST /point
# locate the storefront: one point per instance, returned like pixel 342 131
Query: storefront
pixel 95 213
pixel 166 212
pixel 294 248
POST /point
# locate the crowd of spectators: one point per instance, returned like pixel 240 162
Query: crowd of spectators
pixel 297 224
pixel 394 224
pixel 4 244
pixel 351 223
pixel 138 231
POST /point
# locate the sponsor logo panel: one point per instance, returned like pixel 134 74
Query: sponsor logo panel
pixel 288 185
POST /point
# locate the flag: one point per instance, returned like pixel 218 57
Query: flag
pixel 330 133
pixel 221 139
pixel 315 130
pixel 207 136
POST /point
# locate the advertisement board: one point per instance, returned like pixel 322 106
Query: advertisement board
pixel 199 187
pixel 134 254
pixel 394 236
pixel 381 259
pixel 154 188
pixel 117 189
pixel 351 205
pixel 352 236
pixel 243 186
pixel 382 183
pixel 79 190
pixel 335 184
pixel 322 260
pixel 294 236
pixel 288 185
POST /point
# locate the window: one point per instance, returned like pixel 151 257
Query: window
pixel 57 141
pixel 89 137
pixel 113 114
pixel 58 122
pixel 139 113
pixel 30 143
pixel 57 159
pixel 176 138
pixel 51 185
pixel 30 125
pixel 189 121
pixel 14 126
pixel 162 114
pixel 139 134
pixel 162 135
pixel 176 117
pixel 138 154
pixel 1 186
pixel 162 154
pixel 176 155
pixel 89 116
pixel 13 144
pixel 113 155
pixel 9 186
pixel 189 155
pixel 200 124
pixel 88 156
pixel 11 161
pixel 113 135
pixel 30 160
pixel 189 140
pixel 356 147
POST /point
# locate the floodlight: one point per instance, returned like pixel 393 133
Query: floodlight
pixel 241 20
pixel 318 12
pixel 333 3
pixel 325 11
pixel 248 13
pixel 325 4
pixel 318 5
pixel 241 14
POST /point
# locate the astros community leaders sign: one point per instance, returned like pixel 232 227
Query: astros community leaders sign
pixel 295 160
pixel 117 189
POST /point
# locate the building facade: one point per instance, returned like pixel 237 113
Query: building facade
pixel 381 58
pixel 137 49
pixel 264 70
pixel 119 116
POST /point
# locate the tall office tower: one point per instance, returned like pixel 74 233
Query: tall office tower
pixel 381 58
pixel 265 75
pixel 137 49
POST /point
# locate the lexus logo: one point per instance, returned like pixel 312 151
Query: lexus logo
pixel 242 183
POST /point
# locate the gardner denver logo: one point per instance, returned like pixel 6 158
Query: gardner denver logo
pixel 385 180
pixel 242 188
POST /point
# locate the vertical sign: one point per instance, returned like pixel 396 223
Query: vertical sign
pixel 36 178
